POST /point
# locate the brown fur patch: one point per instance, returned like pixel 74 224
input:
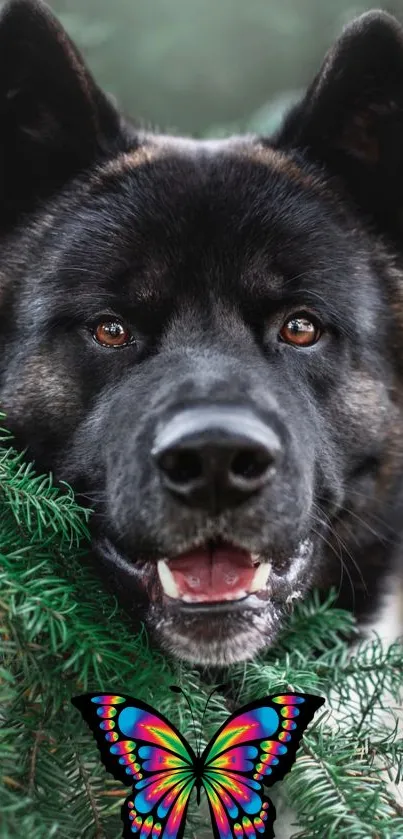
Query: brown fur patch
pixel 362 398
pixel 47 388
pixel 126 162
pixel 374 410
pixel 280 162
pixel 158 146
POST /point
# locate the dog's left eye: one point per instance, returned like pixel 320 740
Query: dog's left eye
pixel 300 330
pixel 112 332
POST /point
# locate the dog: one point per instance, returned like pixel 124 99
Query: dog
pixel 205 338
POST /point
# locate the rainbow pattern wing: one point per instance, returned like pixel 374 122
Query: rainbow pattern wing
pixel 255 747
pixel 139 746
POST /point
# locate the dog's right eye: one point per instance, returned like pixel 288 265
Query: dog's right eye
pixel 300 330
pixel 112 332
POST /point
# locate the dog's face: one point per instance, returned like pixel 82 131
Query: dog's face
pixel 200 338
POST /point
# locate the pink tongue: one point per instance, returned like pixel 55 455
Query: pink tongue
pixel 221 575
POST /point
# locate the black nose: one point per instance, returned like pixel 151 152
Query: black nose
pixel 216 458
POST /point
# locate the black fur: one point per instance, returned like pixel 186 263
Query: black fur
pixel 205 250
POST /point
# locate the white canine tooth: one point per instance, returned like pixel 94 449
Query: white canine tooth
pixel 167 579
pixel 260 577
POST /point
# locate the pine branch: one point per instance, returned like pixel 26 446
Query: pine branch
pixel 38 737
pixel 338 794
pixel 92 801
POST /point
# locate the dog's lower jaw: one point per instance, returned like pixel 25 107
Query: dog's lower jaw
pixel 220 637
pixel 225 648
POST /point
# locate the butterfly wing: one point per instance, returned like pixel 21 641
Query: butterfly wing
pixel 256 746
pixel 141 747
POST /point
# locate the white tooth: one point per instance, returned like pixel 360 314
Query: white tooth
pixel 238 595
pixel 256 558
pixel 193 598
pixel 260 577
pixel 167 579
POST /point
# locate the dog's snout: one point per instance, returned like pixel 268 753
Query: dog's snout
pixel 215 458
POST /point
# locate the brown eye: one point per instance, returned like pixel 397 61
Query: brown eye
pixel 300 331
pixel 112 333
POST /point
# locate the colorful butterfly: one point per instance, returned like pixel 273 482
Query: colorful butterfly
pixel 256 746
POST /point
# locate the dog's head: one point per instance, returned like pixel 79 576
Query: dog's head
pixel 204 338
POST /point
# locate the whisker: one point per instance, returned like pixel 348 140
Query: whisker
pixel 343 546
pixel 343 565
pixel 365 524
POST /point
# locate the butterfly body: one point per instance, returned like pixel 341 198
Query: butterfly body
pixel 255 747
pixel 198 770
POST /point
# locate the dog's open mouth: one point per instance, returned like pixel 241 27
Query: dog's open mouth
pixel 215 603
pixel 214 574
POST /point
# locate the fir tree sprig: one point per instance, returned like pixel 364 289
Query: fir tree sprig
pixel 62 634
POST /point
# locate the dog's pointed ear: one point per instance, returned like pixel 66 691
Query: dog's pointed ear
pixel 54 120
pixel 351 117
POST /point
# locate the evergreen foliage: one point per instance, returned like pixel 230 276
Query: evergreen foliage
pixel 61 635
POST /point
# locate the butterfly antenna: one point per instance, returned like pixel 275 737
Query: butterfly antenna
pixel 215 690
pixel 176 689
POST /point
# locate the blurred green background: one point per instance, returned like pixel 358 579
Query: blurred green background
pixel 206 66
